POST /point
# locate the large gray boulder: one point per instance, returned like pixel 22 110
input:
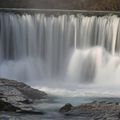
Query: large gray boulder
pixel 24 89
pixel 18 97
pixel 66 108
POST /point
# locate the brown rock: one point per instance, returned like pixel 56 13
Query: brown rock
pixel 66 108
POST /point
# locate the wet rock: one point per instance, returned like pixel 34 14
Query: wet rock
pixel 14 99
pixel 24 89
pixel 34 112
pixel 27 101
pixel 66 108
pixel 118 115
pixel 94 111
pixel 5 117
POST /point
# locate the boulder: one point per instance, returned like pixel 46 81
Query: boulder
pixel 93 111
pixel 26 90
pixel 18 97
pixel 66 108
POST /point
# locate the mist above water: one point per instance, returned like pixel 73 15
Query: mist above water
pixel 67 49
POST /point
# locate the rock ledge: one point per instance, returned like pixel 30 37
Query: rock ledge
pixel 93 111
pixel 19 97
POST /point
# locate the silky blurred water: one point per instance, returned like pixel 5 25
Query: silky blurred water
pixel 71 57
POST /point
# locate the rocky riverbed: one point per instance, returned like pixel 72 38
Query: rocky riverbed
pixel 19 101
pixel 93 111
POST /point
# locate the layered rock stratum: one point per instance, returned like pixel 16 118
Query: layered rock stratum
pixel 18 97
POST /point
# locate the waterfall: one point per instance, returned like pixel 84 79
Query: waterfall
pixel 64 47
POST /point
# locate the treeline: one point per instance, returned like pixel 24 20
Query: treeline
pixel 62 4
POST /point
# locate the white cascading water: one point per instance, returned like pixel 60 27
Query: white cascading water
pixel 68 48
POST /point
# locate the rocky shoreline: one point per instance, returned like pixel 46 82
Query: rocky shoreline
pixel 93 111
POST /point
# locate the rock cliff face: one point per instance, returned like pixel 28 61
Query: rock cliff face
pixel 18 97
pixel 62 4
